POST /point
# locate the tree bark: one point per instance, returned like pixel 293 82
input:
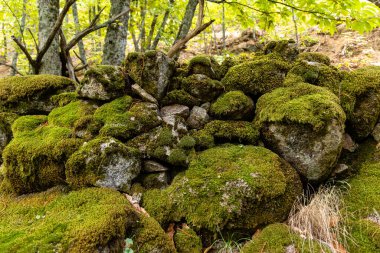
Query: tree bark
pixel 116 37
pixel 187 20
pixel 5 44
pixel 151 31
pixel 48 12
pixel 82 51
pixel 142 27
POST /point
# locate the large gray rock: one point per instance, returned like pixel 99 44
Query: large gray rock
pixel 103 162
pixel 198 118
pixel 103 82
pixel 175 110
pixel 151 70
pixel 313 153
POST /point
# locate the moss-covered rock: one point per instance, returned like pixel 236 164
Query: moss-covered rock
pixel 124 119
pixel 69 115
pixel 287 49
pixel 205 65
pixel 361 100
pixel 158 180
pixel 256 77
pixel 231 187
pixel 314 57
pixel 305 125
pixel 202 87
pixel 180 97
pixel 233 105
pixel 187 241
pixel 89 220
pixel 31 94
pixel 103 162
pixel 6 120
pixel 152 70
pixel 34 160
pixel 64 98
pixel 102 82
pixel 314 72
pixel 278 238
pixel 233 131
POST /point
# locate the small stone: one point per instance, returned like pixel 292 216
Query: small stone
pixel 152 166
pixel 175 110
pixel 340 169
pixel 348 143
pixel 143 94
pixel 376 132
pixel 206 106
pixel 198 117
pixel 156 180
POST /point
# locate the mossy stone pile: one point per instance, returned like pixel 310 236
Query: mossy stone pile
pixel 184 150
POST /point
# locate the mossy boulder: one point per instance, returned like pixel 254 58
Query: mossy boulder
pixel 314 72
pixel 314 57
pixel 6 120
pixel 361 100
pixel 89 220
pixel 256 77
pixel 279 238
pixel 229 187
pixel 31 94
pixel 69 115
pixel 187 241
pixel 202 87
pixel 103 162
pixel 35 158
pixel 102 82
pixel 234 105
pixel 182 97
pixel 124 119
pixel 205 65
pixel 151 70
pixel 304 124
pixel 64 98
pixel 287 49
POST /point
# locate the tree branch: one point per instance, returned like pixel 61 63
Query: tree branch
pixel 34 40
pixel 55 30
pixel 25 51
pixel 12 67
pixel 92 27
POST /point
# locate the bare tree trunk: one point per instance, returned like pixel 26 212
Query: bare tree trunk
pixel 48 11
pixel 151 31
pixel 142 28
pixel 162 27
pixel 5 44
pixel 187 20
pixel 82 51
pixel 116 37
pixel 224 28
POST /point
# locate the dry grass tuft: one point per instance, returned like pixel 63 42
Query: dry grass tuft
pixel 320 217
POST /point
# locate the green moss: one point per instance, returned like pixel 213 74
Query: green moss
pixel 87 165
pixel 123 120
pixel 232 105
pixel 34 159
pixel 64 98
pixel 227 63
pixel 187 241
pixel 180 97
pixel 28 123
pixel 178 157
pixel 288 49
pixel 149 237
pixel 227 187
pixel 68 115
pixel 314 73
pixel 205 65
pixel 314 57
pixel 233 131
pixel 55 221
pixel 275 238
pixel 18 93
pixel 202 87
pixel 256 77
pixel 203 139
pixel 302 103
pixel 186 142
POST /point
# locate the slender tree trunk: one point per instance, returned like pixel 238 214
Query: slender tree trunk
pixel 48 11
pixel 82 51
pixel 162 27
pixel 151 31
pixel 116 37
pixel 187 20
pixel 142 28
pixel 22 28
pixel 224 28
pixel 5 44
